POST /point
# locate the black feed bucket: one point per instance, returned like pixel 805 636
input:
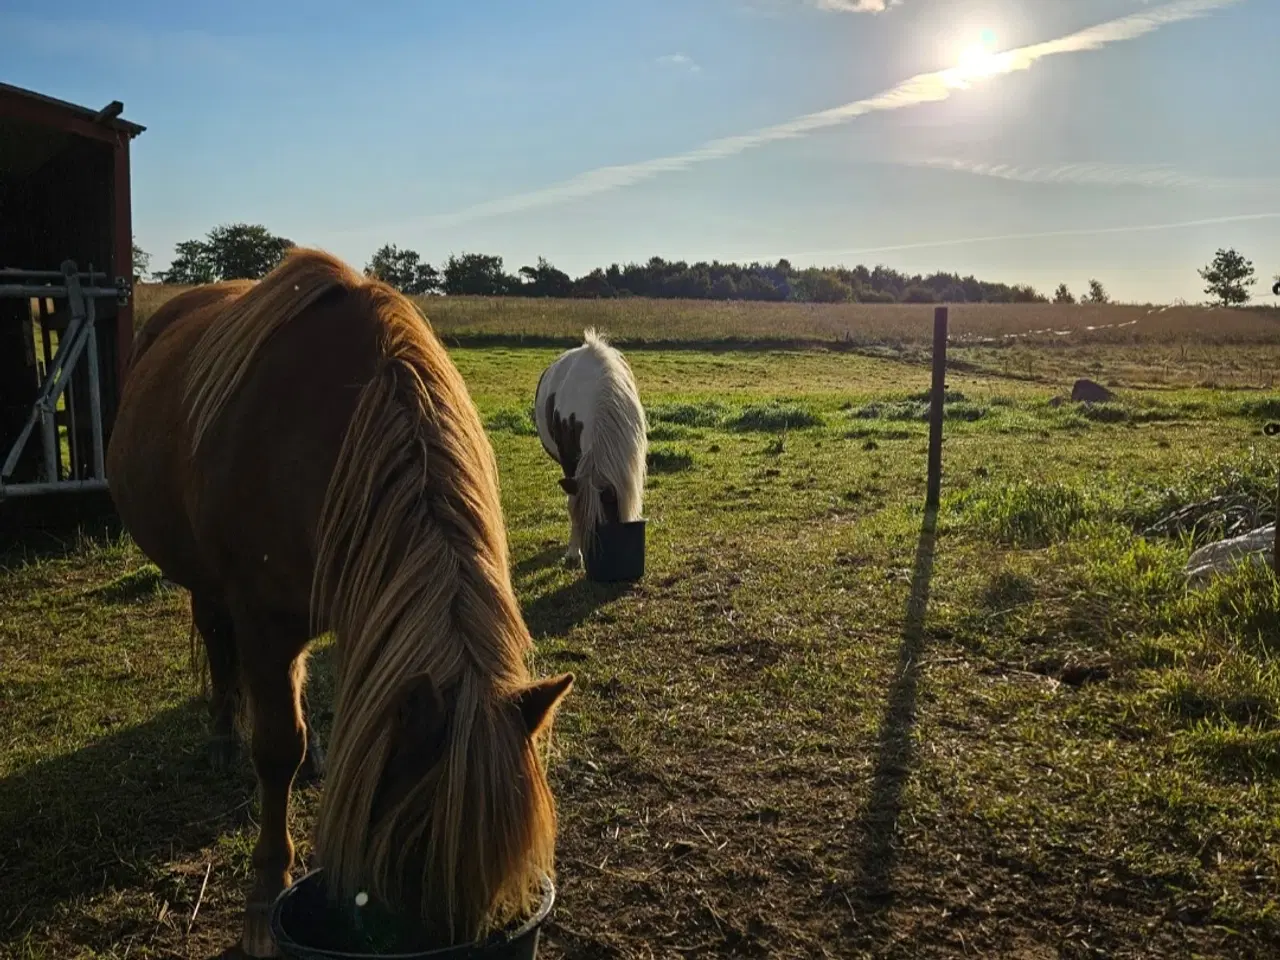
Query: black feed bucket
pixel 616 552
pixel 307 926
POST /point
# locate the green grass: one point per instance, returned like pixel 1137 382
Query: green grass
pixel 771 750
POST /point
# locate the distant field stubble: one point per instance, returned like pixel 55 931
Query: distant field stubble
pixel 639 320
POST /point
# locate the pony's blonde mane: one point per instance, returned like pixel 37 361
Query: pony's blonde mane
pixel 412 576
pixel 619 441
pixel 228 346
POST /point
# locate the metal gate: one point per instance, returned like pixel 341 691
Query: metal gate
pixel 77 350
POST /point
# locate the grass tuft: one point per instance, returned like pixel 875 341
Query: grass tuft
pixel 1027 513
pixel 669 459
pixel 130 587
pixel 512 420
pixel 774 418
pixel 706 414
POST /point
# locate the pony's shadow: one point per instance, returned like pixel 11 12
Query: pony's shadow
pixel 51 526
pixel 556 612
pixel 547 557
pixel 106 814
pixel 116 812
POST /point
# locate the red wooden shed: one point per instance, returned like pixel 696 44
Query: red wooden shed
pixel 66 272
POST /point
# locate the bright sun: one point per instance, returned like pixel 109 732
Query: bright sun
pixel 980 59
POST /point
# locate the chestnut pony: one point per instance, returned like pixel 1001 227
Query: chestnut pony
pixel 302 455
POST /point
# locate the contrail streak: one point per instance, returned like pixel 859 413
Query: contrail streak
pixel 1097 174
pixel 997 238
pixel 920 89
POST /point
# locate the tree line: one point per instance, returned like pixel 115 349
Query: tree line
pixel 250 251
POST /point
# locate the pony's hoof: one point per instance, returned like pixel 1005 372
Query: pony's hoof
pixel 312 769
pixel 224 753
pixel 257 940
pixel 572 561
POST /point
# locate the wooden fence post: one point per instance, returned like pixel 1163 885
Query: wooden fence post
pixel 936 398
pixel 1272 430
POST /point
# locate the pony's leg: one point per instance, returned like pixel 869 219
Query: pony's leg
pixel 312 768
pixel 217 631
pixel 279 745
pixel 573 555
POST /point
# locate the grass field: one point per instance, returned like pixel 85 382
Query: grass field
pixel 816 728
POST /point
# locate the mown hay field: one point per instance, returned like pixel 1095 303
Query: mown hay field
pixel 1044 343
pixel 639 320
pixel 816 728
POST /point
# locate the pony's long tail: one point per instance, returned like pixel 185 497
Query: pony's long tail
pixel 412 577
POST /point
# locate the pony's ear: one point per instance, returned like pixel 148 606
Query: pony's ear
pixel 538 701
pixel 569 485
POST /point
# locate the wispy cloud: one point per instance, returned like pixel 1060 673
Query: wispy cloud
pixel 1098 174
pixel 681 61
pixel 777 8
pixel 920 89
pixel 1037 235
pixel 855 6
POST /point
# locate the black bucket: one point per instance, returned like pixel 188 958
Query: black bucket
pixel 303 920
pixel 616 552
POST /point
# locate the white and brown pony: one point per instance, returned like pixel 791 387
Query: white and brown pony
pixel 591 422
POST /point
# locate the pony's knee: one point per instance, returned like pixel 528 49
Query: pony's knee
pixel 278 749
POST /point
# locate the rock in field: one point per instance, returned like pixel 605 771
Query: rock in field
pixel 1086 391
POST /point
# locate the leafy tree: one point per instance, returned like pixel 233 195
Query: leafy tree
pixel 236 251
pixel 724 288
pixel 245 251
pixel 973 290
pixel 141 261
pixel 1063 295
pixel 1097 293
pixel 477 275
pixel 1227 277
pixel 544 280
pixel 595 285
pixel 192 264
pixel 824 288
pixel 404 270
pixel 1025 293
pixel 876 296
pixel 919 293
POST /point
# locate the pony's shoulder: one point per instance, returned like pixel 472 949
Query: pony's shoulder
pixel 182 306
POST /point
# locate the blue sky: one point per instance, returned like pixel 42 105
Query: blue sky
pixel 579 129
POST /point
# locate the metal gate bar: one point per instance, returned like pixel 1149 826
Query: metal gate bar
pixel 79 338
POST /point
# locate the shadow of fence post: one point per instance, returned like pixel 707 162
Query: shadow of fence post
pixel 895 749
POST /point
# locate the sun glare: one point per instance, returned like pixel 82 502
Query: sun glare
pixel 980 59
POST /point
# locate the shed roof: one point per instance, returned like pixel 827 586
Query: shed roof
pixel 32 107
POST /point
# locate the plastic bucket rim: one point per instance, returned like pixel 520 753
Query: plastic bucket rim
pixel 461 950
